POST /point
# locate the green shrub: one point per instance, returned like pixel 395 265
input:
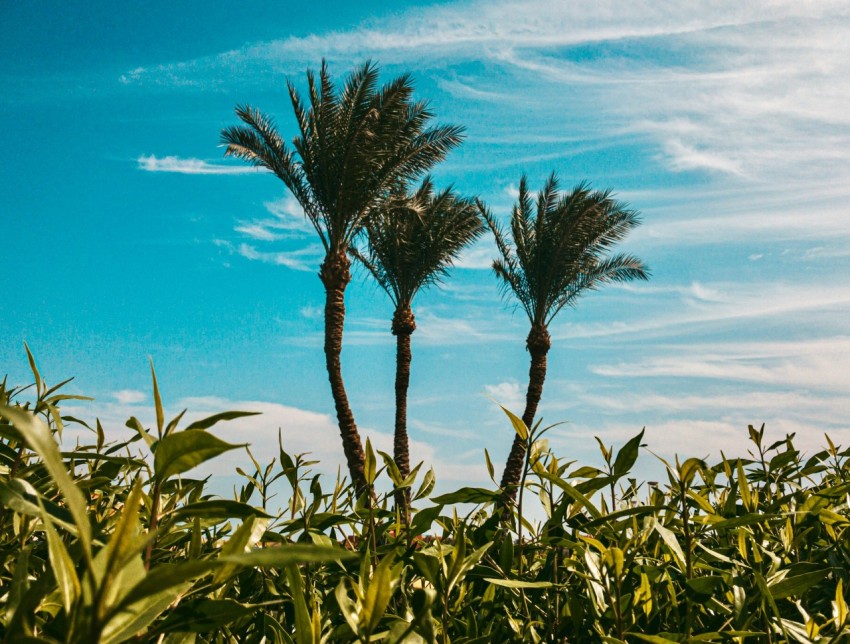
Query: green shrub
pixel 113 541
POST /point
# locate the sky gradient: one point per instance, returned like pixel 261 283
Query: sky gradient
pixel 726 125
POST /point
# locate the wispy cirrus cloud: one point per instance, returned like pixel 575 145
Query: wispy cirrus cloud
pixel 301 259
pixel 746 90
pixel 181 165
pixel 800 364
pixel 287 221
pixel 702 307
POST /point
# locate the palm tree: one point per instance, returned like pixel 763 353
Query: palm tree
pixel 558 249
pixel 353 146
pixel 412 241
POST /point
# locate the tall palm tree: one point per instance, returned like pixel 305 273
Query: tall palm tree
pixel 557 250
pixel 353 146
pixel 411 243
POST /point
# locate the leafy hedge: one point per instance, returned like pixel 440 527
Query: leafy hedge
pixel 114 541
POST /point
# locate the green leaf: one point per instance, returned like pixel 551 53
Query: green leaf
pixel 655 639
pixel 690 468
pixel 160 416
pixel 620 514
pixel 569 490
pixel 20 496
pixel 124 543
pixel 347 607
pixel 34 369
pixel 247 535
pixel 134 423
pixel 743 520
pixel 490 469
pixel 208 422
pixel 303 623
pixel 216 509
pixel 392 469
pixel 165 576
pixel 424 518
pixel 288 554
pixel 744 487
pixel 797 585
pixel 133 618
pixel 705 586
pixel 203 615
pixel 38 437
pixel 384 581
pixel 586 472
pixel 467 495
pixel 182 451
pixel 672 543
pixel 61 564
pixel 428 482
pixel 627 456
pixel 518 424
pixel 516 583
pixel 369 468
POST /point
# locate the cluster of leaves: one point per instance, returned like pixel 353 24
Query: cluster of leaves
pixel 113 541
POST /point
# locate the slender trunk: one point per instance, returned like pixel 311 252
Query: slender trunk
pixel 335 276
pixel 404 325
pixel 537 343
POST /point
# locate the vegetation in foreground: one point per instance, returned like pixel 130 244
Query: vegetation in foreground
pixel 114 541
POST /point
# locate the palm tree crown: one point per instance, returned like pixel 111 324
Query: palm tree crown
pixel 414 239
pixel 353 146
pixel 557 247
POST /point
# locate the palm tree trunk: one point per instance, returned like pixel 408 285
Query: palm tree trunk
pixel 403 326
pixel 335 276
pixel 537 343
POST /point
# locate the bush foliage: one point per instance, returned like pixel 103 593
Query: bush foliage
pixel 115 541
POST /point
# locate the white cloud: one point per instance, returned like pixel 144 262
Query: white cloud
pixel 479 256
pixel 753 92
pixel 287 222
pixel 302 431
pixel 312 312
pixel 704 307
pixel 668 438
pixel 822 364
pixel 180 165
pixel 508 394
pixel 129 396
pixel 307 258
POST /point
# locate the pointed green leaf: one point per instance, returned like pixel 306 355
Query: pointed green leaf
pixel 467 495
pixel 516 583
pixel 797 585
pixel 157 400
pixel 61 564
pixel 134 423
pixel 303 623
pixel 288 554
pixel 38 437
pixel 518 424
pixel 208 422
pixel 627 456
pixel 369 469
pixel 179 452
pixel 216 509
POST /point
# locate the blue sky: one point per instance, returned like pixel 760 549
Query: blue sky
pixel 726 124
